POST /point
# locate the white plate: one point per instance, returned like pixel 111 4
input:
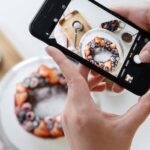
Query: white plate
pixel 17 138
pixel 11 130
pixel 90 35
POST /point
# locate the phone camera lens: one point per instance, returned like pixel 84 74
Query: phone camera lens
pixel 63 6
pixel 146 40
pixel 47 33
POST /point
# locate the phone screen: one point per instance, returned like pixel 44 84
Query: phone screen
pixel 97 36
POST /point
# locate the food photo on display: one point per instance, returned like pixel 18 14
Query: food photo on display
pixel 104 42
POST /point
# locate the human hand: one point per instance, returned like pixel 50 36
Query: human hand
pixel 97 83
pixel 87 127
pixel 141 17
pixel 138 15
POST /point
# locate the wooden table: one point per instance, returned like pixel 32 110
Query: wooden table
pixel 10 56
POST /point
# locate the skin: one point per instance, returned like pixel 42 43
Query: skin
pixel 87 127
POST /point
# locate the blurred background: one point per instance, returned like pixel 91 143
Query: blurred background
pixel 16 44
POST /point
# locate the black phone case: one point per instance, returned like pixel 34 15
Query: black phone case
pixel 47 9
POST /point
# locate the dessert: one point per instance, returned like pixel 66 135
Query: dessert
pixel 112 26
pixel 102 53
pixel 127 37
pixel 27 96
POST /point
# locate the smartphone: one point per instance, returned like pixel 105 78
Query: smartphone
pixel 97 37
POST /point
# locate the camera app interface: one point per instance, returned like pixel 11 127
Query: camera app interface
pixel 95 35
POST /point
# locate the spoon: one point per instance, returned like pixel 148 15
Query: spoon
pixel 78 26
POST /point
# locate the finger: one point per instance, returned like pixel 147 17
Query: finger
pixel 84 71
pixel 99 88
pixel 94 73
pixel 68 69
pixel 140 15
pixel 117 88
pixel 78 88
pixel 95 81
pixel 145 54
pixel 123 11
pixel 137 114
pixel 78 91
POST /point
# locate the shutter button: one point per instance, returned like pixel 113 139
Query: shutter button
pixel 137 59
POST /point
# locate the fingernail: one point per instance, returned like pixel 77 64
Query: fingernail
pixel 145 56
pixel 137 59
pixel 46 48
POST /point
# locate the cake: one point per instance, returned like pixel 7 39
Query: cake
pixel 102 53
pixel 27 96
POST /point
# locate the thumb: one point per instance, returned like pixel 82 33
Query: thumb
pixel 145 54
pixel 137 114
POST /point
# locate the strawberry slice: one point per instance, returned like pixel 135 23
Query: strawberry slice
pixel 56 133
pixel 53 77
pixel 21 98
pixel 20 88
pixel 108 64
pixel 43 71
pixel 42 130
